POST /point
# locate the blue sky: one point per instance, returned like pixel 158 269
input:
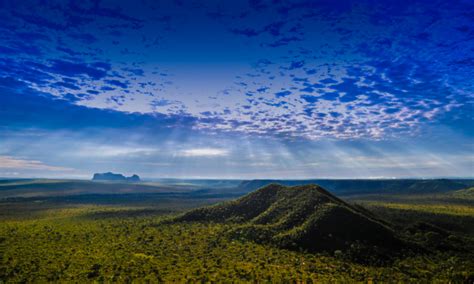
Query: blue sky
pixel 237 89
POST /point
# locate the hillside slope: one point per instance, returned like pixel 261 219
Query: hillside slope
pixel 467 193
pixel 301 217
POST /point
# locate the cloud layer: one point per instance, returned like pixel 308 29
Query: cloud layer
pixel 12 163
pixel 237 89
pixel 310 69
pixel 203 152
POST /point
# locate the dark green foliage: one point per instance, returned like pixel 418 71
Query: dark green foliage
pixel 132 241
pixel 467 193
pixel 431 229
pixel 301 217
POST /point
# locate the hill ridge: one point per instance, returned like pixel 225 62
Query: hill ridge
pixel 367 186
pixel 300 217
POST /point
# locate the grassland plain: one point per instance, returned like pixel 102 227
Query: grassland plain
pixel 42 241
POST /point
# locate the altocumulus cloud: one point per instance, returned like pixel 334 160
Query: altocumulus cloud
pixel 309 75
pixel 292 82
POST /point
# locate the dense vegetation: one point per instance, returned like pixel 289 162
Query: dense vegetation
pixel 303 218
pixel 43 240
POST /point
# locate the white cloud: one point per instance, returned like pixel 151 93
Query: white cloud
pixel 113 151
pixel 203 152
pixel 7 162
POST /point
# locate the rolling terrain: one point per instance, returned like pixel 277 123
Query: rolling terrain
pixel 101 191
pixel 83 231
pixel 371 186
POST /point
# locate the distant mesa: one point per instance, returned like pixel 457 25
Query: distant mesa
pixel 301 217
pixel 115 177
pixel 133 178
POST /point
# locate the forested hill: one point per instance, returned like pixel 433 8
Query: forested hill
pixel 301 217
pixel 370 186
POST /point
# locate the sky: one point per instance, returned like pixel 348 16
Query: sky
pixel 237 89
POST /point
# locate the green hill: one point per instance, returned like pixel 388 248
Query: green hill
pixel 300 217
pixel 467 193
